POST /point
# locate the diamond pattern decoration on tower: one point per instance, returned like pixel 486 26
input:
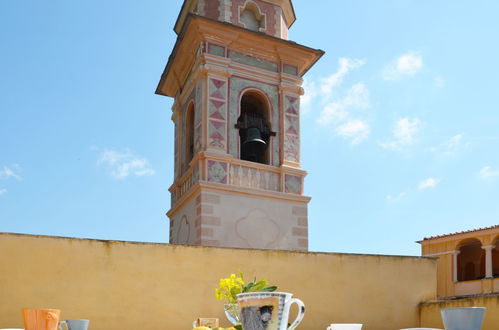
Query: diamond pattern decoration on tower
pixel 217 113
pixel 291 106
pixel 217 134
pixel 217 172
pixel 217 110
pixel 216 90
pixel 291 145
pixel 292 125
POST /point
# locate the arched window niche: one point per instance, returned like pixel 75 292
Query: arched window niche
pixel 189 135
pixel 254 128
pixel 470 261
pixel 251 18
pixel 495 258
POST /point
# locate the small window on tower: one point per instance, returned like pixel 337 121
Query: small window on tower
pixel 251 17
pixel 189 135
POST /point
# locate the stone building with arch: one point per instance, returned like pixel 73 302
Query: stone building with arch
pixel 468 261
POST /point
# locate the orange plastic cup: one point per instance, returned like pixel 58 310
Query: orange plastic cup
pixel 41 319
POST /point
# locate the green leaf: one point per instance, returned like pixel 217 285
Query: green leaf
pixel 269 289
pixel 248 287
pixel 238 327
pixel 259 285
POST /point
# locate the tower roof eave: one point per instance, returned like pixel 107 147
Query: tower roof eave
pixel 192 34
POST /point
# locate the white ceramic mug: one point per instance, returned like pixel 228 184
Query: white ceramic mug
pixel 345 326
pixel 268 310
pixel 420 329
pixel 74 324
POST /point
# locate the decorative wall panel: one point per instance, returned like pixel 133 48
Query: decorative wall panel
pixel 216 50
pixel 293 184
pixel 292 128
pixel 217 171
pixel 290 69
pixel 217 114
pixel 253 61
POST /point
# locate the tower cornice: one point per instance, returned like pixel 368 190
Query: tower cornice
pixel 198 30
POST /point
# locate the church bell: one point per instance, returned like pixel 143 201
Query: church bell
pixel 254 137
pixel 253 146
pixel 254 134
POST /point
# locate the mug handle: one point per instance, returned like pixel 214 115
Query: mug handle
pixel 301 312
pixel 61 323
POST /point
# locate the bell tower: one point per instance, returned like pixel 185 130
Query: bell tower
pixel 236 80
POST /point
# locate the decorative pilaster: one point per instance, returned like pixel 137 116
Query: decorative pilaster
pixel 488 260
pixel 217 114
pixel 291 129
pixel 454 265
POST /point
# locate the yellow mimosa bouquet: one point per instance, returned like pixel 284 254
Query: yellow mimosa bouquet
pixel 206 328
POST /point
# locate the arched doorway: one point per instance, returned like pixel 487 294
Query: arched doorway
pixel 471 261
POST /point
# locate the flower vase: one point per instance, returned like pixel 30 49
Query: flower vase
pixel 232 313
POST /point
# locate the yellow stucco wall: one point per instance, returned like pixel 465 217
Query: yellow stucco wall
pixel 445 284
pixel 123 285
pixel 430 312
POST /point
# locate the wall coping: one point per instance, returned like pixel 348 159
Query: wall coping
pixel 446 300
pixel 117 242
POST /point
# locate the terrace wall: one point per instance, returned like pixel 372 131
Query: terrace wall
pixel 125 285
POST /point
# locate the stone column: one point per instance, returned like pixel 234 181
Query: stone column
pixel 454 266
pixel 488 260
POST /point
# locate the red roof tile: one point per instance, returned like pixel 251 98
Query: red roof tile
pixel 460 232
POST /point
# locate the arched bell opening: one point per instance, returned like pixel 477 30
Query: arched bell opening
pixel 189 134
pixel 495 258
pixel 254 128
pixel 471 261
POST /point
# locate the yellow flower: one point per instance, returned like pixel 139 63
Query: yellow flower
pixel 233 285
pixel 229 288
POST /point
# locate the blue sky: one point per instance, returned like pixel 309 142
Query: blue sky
pixel 399 124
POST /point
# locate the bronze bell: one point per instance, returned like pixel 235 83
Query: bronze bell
pixel 253 145
pixel 253 136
